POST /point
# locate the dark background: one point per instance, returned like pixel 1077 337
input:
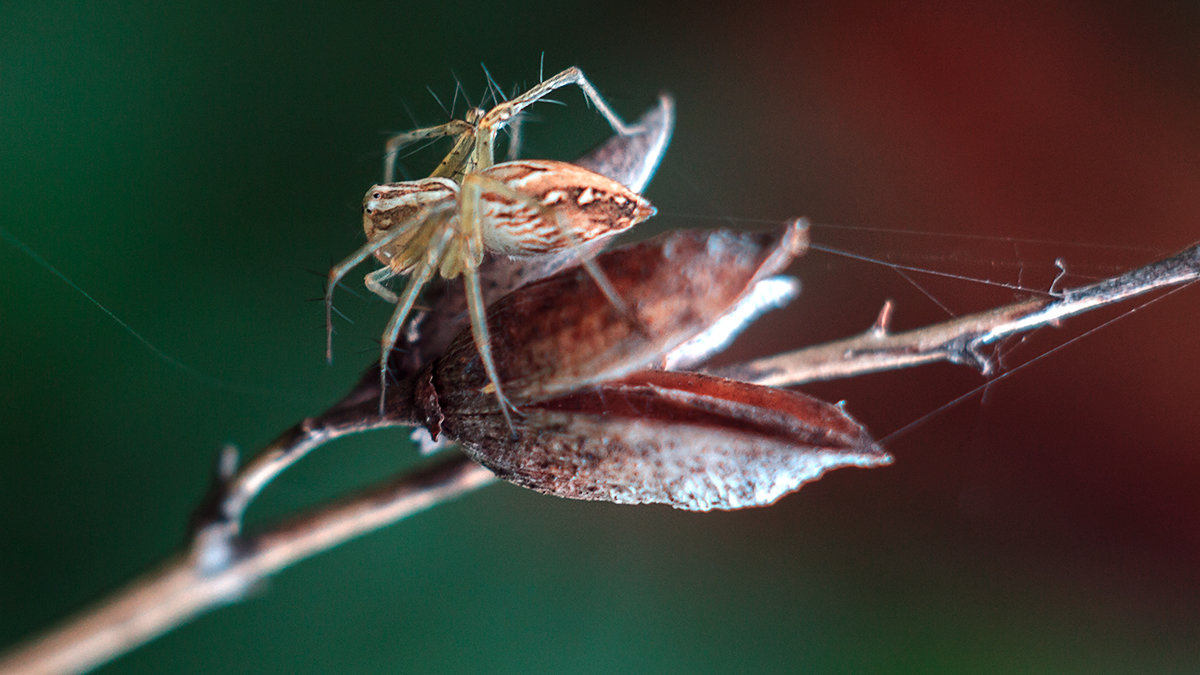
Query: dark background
pixel 197 168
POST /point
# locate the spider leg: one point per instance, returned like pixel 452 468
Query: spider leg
pixel 458 128
pixel 479 331
pixel 514 137
pixel 472 232
pixel 589 265
pixel 417 281
pixel 340 270
pixel 504 113
pixel 374 283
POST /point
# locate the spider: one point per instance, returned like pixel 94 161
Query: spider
pixel 443 224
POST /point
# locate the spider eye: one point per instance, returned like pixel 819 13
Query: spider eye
pixel 376 195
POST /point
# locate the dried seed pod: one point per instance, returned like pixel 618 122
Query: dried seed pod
pixel 691 441
pixel 562 333
pixel 595 424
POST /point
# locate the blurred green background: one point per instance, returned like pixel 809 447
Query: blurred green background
pixel 197 166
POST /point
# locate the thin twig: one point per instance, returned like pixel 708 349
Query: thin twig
pixel 959 340
pixel 193 582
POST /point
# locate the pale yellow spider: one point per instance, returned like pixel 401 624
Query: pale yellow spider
pixel 444 223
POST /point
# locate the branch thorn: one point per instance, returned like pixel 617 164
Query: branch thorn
pixel 884 321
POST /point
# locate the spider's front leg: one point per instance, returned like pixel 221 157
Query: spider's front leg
pixel 464 130
pixel 339 270
pixel 399 221
pixel 504 113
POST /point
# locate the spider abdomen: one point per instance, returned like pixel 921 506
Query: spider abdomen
pixel 529 207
